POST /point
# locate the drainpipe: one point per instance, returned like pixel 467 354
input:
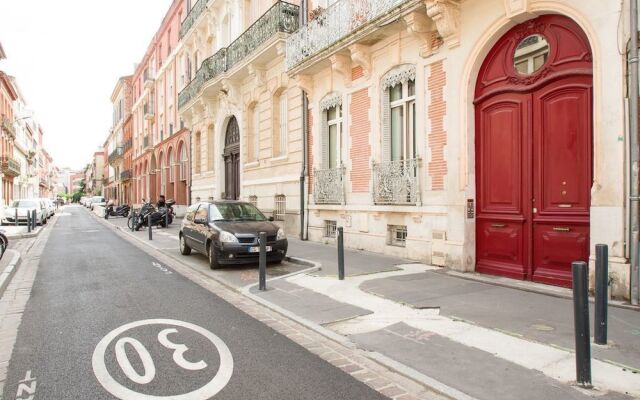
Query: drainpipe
pixel 305 131
pixel 634 152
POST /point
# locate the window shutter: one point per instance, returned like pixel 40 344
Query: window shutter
pixel 325 140
pixel 386 126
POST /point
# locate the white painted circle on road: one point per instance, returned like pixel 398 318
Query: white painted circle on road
pixel 211 388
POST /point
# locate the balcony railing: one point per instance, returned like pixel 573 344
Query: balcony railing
pixel 281 17
pixel 148 111
pixel 146 143
pixel 9 166
pixel 147 77
pixel 126 175
pixel 7 126
pixel 192 17
pixel 337 22
pixel 328 186
pixel 115 154
pixel 127 145
pixel 396 182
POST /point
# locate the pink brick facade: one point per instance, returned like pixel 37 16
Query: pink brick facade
pixel 360 150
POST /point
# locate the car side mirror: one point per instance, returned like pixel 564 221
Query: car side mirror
pixel 200 221
pixel 271 219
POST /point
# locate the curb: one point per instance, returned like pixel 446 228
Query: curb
pixel 9 271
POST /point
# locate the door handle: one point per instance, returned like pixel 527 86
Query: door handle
pixel 498 225
pixel 560 229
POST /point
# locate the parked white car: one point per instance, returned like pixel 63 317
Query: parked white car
pixel 51 208
pixel 25 206
pixel 97 201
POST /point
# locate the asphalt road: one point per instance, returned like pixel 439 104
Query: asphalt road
pixel 105 320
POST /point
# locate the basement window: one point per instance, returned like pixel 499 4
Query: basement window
pixel 330 228
pixel 280 208
pixel 397 235
pixel 253 199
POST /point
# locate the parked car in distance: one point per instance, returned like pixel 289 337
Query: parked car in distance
pixel 97 201
pixel 25 206
pixel 227 233
pixel 51 208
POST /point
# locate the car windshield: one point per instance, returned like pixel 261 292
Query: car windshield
pixel 24 204
pixel 235 212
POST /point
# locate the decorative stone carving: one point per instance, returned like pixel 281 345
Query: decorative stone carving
pixel 361 55
pixel 399 74
pixel 514 8
pixel 341 65
pixel 257 73
pixel 304 82
pixel 446 15
pixel 420 27
pixel 331 100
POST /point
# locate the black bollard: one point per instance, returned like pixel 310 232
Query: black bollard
pixel 581 322
pixel 17 216
pixel 602 294
pixel 149 226
pixel 28 221
pixel 133 221
pixel 106 213
pixel 341 253
pixel 166 218
pixel 33 220
pixel 262 261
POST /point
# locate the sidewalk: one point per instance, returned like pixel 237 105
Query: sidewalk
pixel 484 340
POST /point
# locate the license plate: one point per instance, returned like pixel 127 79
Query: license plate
pixel 256 249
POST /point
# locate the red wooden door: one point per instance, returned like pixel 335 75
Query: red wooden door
pixel 533 154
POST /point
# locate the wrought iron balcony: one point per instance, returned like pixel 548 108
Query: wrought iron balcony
pixel 396 182
pixel 338 21
pixel 211 67
pixel 127 145
pixel 7 126
pixel 126 175
pixel 281 17
pixel 9 166
pixel 328 186
pixel 192 17
pixel 116 155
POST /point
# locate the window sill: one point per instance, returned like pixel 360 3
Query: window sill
pixel 280 159
pixel 252 164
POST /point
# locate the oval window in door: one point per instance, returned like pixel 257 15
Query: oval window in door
pixel 531 54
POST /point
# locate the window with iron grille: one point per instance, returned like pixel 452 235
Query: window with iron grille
pixel 397 235
pixel 280 207
pixel 330 228
pixel 253 199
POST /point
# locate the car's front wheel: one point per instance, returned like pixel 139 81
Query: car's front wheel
pixel 213 260
pixel 185 250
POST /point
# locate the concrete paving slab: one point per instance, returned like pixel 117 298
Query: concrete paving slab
pixel 542 318
pixel 308 304
pixel 471 371
pixel 356 262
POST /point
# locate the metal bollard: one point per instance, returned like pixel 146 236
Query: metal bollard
pixel 17 216
pixel 581 322
pixel 166 218
pixel 602 294
pixel 28 221
pixel 33 220
pixel 106 213
pixel 341 253
pixel 149 223
pixel 133 221
pixel 262 261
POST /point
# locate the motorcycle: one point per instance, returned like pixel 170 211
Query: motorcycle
pixel 120 211
pixel 159 216
pixel 4 243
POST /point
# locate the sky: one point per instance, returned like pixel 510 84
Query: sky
pixel 67 56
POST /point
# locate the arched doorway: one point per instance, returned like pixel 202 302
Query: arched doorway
pixel 153 169
pixel 533 109
pixel 232 160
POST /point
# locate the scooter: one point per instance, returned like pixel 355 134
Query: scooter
pixel 158 217
pixel 120 211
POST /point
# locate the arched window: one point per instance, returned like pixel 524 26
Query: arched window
pixel 254 133
pixel 197 151
pixel 331 107
pixel 183 163
pixel 398 114
pixel 163 174
pixel 280 124
pixel 210 155
pixel 172 164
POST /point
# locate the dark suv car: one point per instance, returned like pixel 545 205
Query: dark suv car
pixel 227 233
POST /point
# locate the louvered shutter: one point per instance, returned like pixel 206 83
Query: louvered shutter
pixel 386 126
pixel 325 140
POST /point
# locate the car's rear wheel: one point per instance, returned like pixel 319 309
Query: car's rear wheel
pixel 185 250
pixel 213 260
